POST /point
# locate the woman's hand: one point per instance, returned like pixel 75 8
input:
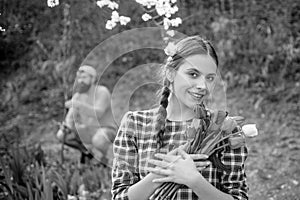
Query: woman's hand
pixel 200 161
pixel 179 168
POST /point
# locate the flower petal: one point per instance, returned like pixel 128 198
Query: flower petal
pixel 250 130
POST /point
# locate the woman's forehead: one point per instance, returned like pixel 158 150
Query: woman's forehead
pixel 202 63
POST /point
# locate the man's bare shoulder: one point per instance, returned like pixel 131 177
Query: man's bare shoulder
pixel 102 90
pixel 75 96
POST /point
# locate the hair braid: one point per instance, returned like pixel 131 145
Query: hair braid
pixel 162 113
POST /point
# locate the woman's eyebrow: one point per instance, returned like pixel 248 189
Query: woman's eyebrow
pixel 211 74
pixel 193 69
pixel 197 71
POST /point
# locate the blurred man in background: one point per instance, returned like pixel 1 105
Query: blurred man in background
pixel 89 116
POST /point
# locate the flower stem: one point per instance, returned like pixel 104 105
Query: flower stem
pixel 220 147
pixel 228 136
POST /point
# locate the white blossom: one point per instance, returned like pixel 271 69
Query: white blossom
pixel 110 4
pixel 147 3
pixel 164 8
pixel 174 9
pixel 110 24
pixel 175 22
pixel 113 5
pixel 161 9
pixel 166 23
pixel 170 33
pixel 52 3
pixel 250 130
pixel 170 49
pixel 146 17
pixel 101 3
pixel 115 16
pixel 124 20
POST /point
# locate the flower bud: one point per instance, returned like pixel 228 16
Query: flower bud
pixel 228 125
pixel 200 111
pixel 221 115
pixel 191 132
pixel 236 141
pixel 250 130
pixel 196 123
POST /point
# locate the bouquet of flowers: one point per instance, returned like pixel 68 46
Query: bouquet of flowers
pixel 210 132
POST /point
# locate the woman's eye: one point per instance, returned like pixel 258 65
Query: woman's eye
pixel 194 75
pixel 210 78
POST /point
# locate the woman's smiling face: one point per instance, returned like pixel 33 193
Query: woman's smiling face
pixel 194 79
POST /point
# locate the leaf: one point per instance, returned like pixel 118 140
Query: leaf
pixel 74 182
pixel 21 190
pixel 7 188
pixel 7 176
pixel 211 144
pixel 209 136
pixel 29 191
pixel 60 182
pixel 239 119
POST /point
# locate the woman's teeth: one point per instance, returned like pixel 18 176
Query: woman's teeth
pixel 198 96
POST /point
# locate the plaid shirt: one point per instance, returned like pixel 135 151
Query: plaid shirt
pixel 136 143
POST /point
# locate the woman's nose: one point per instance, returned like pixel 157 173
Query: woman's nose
pixel 201 83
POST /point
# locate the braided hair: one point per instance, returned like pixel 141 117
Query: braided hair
pixel 162 112
pixel 192 45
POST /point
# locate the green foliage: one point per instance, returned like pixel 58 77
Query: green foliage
pixel 22 177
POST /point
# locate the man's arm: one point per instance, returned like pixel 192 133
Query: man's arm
pixel 69 120
pixel 101 103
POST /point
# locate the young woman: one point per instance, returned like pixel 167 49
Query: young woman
pixel 190 74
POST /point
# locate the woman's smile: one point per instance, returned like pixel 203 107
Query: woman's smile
pixel 197 96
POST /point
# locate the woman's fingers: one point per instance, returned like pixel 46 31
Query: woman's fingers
pixel 183 153
pixel 167 157
pixel 159 163
pixel 184 146
pixel 162 180
pixel 159 171
pixel 202 164
pixel 200 168
pixel 200 157
pixel 175 151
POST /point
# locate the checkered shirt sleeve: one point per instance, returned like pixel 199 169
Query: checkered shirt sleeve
pixel 125 164
pixel 234 182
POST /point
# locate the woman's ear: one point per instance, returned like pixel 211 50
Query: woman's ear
pixel 170 73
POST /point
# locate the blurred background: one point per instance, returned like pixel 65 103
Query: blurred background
pixel 258 43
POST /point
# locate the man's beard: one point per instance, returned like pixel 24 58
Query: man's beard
pixel 82 87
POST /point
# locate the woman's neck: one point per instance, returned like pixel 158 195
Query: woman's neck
pixel 178 112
